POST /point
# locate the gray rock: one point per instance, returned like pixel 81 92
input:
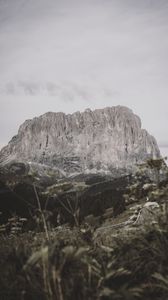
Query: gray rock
pixel 93 141
pixel 149 186
pixel 151 205
pixel 147 214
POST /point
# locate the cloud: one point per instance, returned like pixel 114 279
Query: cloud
pixel 71 54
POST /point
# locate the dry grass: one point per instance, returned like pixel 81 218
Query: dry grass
pixel 69 266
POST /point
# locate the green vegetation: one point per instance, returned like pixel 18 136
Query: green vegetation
pixel 122 257
pixel 73 266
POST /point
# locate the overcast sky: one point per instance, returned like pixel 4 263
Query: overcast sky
pixel 68 55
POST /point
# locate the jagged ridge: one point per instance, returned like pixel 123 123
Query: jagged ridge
pixel 90 141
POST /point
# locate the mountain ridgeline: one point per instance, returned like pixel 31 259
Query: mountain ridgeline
pixel 89 142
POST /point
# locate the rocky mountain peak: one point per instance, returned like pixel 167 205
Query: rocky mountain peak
pixel 82 142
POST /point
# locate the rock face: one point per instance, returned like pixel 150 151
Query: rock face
pixel 92 141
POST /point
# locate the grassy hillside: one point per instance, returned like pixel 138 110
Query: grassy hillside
pixel 108 255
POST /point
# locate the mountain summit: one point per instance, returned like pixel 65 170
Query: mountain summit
pixel 91 141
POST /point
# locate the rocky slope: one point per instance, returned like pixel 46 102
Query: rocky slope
pixel 91 141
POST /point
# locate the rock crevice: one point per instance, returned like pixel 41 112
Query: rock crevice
pixel 98 140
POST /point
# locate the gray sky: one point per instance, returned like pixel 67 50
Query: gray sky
pixel 67 55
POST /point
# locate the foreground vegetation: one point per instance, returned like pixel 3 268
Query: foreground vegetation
pixel 85 261
pixel 74 265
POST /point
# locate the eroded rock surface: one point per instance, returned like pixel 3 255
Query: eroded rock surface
pixel 92 141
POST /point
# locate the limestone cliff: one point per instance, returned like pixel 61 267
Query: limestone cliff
pixel 90 141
